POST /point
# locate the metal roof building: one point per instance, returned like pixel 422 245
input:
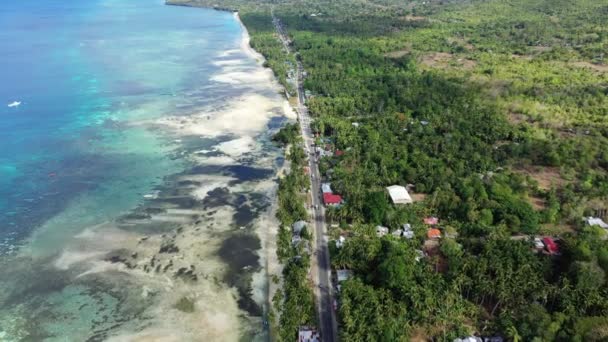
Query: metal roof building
pixel 399 194
pixel 596 221
pixel 331 199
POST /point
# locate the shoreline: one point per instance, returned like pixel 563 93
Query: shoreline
pixel 273 266
pixel 265 226
pixel 271 256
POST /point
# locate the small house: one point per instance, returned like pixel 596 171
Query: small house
pixel 308 334
pixel 340 242
pixel 339 153
pixel 399 194
pixel 433 233
pixel 596 221
pixel 381 231
pixel 397 233
pixel 408 233
pixel 322 152
pixel 550 245
pixel 332 199
pixel 326 188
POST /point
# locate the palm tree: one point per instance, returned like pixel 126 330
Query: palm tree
pixel 513 334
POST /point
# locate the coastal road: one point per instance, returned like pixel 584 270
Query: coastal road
pixel 321 268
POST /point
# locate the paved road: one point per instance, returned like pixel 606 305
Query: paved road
pixel 322 278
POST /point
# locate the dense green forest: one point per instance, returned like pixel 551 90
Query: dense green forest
pixel 496 112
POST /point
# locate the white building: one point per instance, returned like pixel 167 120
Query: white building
pixel 408 233
pixel 397 232
pixel 399 194
pixel 322 152
pixel 340 241
pixel 381 231
pixel 308 334
pixel 596 221
pixel 326 188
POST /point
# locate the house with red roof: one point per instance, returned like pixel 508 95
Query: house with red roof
pixel 550 245
pixel 332 199
pixel 339 153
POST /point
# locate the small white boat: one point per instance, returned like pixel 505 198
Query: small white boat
pixel 14 104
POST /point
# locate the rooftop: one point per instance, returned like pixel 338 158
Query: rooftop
pixel 596 221
pixel 381 231
pixel 329 198
pixel 340 241
pixel 399 194
pixel 433 233
pixel 550 244
pixel 308 334
pixel 326 188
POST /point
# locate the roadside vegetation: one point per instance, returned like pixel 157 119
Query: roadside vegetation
pixel 496 113
pixel 294 301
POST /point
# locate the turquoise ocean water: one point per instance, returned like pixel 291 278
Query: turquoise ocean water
pixel 81 70
pixel 85 149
